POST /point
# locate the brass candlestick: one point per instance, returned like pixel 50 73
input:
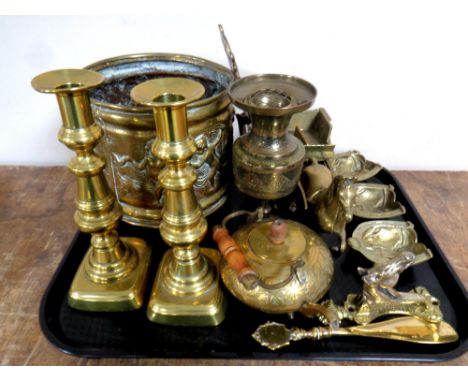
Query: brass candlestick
pixel 112 275
pixel 186 291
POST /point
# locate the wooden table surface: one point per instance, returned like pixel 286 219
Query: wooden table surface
pixel 36 227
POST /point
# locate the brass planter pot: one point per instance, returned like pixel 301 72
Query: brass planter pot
pixel 129 131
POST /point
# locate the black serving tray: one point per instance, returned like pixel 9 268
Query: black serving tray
pixel 131 334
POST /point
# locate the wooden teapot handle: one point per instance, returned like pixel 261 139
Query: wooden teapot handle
pixel 235 258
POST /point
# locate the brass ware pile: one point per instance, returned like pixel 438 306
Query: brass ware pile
pixel 270 263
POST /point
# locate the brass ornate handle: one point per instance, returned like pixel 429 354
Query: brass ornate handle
pixel 258 214
pixel 229 53
pixel 409 329
pixel 293 272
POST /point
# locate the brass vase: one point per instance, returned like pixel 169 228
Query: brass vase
pixel 267 162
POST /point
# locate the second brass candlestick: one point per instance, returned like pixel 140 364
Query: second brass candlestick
pixel 186 290
pixel 112 275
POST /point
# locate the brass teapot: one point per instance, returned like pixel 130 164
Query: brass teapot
pixel 275 266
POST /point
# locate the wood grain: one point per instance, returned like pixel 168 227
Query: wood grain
pixel 36 226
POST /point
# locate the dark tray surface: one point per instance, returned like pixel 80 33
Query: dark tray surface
pixel 130 334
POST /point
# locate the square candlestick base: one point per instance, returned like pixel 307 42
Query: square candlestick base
pixel 115 296
pixel 205 308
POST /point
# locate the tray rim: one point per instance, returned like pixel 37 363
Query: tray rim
pixel 98 353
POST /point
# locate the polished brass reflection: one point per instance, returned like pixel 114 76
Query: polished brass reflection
pixel 267 162
pixel 186 290
pixel 353 165
pixel 275 266
pixel 381 241
pixel 408 329
pixel 421 322
pixel 112 275
pixel 380 298
pixel 420 318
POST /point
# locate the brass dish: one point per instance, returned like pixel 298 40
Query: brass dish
pixel 375 201
pixel 132 169
pixel 381 241
pixel 353 165
pixel 336 205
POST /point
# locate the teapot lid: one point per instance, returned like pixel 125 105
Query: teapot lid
pixel 278 241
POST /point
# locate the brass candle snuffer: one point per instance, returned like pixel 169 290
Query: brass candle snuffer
pixel 186 290
pixel 112 275
pixel 275 336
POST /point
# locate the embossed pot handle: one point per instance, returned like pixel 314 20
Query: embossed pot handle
pixel 229 53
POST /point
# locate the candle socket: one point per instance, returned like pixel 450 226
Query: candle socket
pixel 113 272
pixel 186 290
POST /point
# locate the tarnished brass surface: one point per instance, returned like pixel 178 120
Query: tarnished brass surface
pixel 267 162
pixel 409 329
pixel 112 275
pixel 186 291
pixel 229 53
pixel 332 207
pixel 381 241
pixel 374 201
pixel 299 269
pixel 353 165
pixel 313 128
pixel 316 179
pixel 336 205
pixel 129 131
